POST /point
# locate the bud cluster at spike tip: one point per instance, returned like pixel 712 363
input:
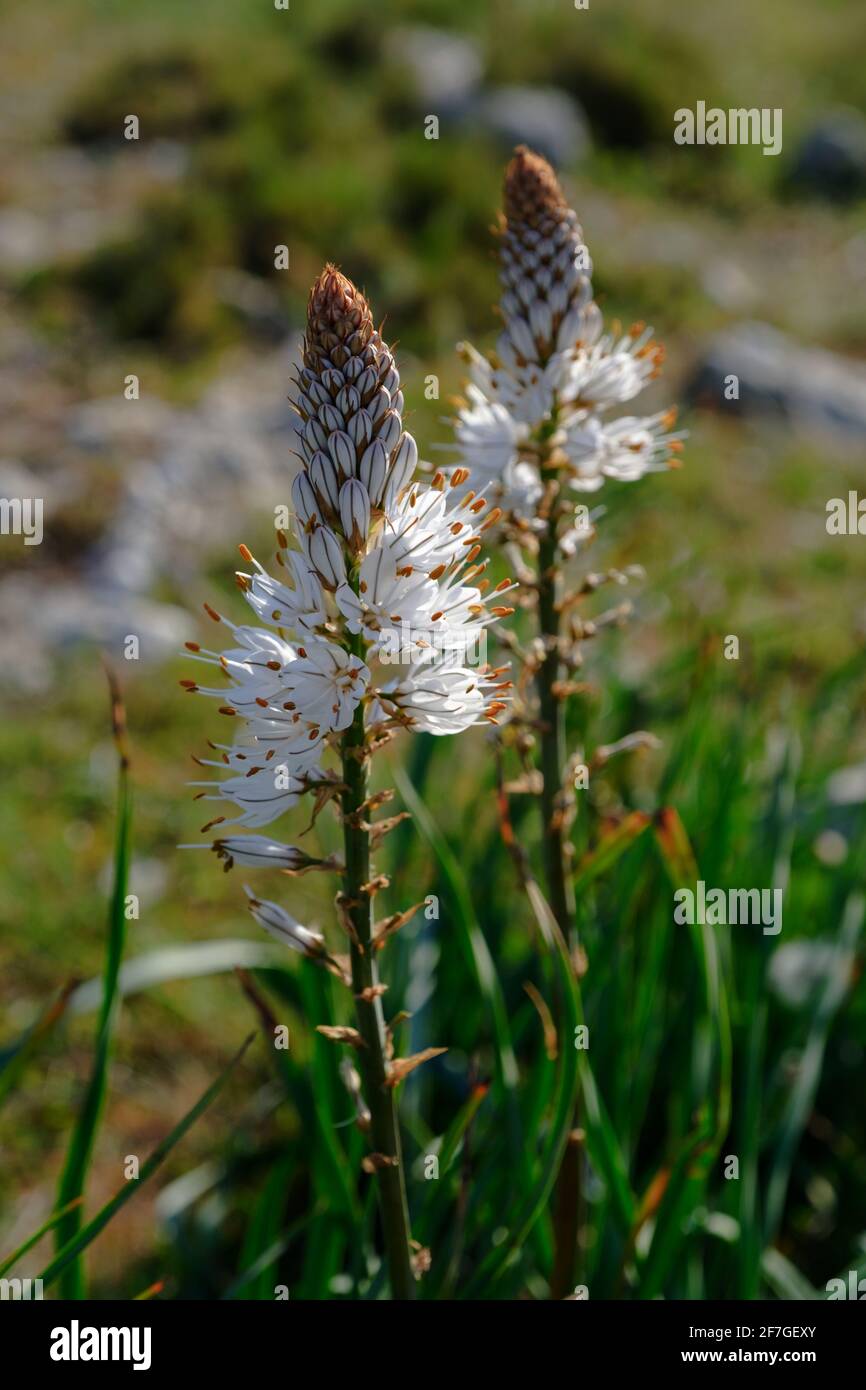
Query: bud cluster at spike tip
pixel 351 408
pixel 554 369
pixel 371 551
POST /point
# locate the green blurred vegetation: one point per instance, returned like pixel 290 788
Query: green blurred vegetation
pixel 300 130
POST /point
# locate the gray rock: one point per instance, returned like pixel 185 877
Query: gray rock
pixel 254 301
pixel 831 158
pixel 728 284
pixel 41 621
pixel 809 389
pixel 187 480
pixel 23 240
pixel 545 118
pixel 444 69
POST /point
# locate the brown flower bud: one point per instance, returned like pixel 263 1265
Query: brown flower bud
pixel 338 318
pixel 531 189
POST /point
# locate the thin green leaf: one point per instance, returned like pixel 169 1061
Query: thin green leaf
pixel 472 940
pixel 575 1074
pixel 80 1151
pixel 784 1278
pixel 696 1154
pixel 808 1074
pixel 609 849
pixel 88 1233
pixel 29 1243
pixel 15 1058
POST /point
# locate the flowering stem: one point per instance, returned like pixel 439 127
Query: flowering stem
pixel 384 1128
pixel 557 876
pixel 553 757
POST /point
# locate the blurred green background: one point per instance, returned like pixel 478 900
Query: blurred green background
pixel 155 257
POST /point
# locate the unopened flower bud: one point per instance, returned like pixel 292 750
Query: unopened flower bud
pixel 389 430
pixel 314 436
pixel 360 429
pixel 258 852
pixel 325 479
pixel 280 924
pixel 343 453
pixel 373 470
pixel 355 513
pixel 330 417
pixel 403 462
pixel 304 498
pixel 326 557
pixel 378 404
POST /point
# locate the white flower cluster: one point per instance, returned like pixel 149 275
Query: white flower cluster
pixel 374 553
pixel 555 374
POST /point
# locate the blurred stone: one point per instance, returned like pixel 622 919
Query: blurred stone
pixel 254 300
pixel 799 969
pixel 99 423
pixel 54 489
pixel 189 478
pixel 831 158
pixel 445 69
pixel 728 285
pixel 854 256
pixel 41 620
pixel 545 118
pixel 23 240
pixel 808 389
pixel 166 161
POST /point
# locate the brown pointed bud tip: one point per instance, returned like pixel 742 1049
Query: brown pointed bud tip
pixel 337 311
pixel 531 190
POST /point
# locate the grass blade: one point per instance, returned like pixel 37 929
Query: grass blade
pixel 14 1059
pixel 690 1168
pixel 473 940
pixel 802 1095
pixel 82 1238
pixel 785 1279
pixel 79 1153
pixel 609 849
pixel 28 1244
pixel 575 1074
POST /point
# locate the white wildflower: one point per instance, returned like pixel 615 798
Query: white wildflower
pixel 554 371
pixel 258 852
pixel 284 927
pixel 373 554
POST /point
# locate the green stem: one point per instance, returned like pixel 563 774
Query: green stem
pixel 560 893
pixel 384 1128
pixel 553 754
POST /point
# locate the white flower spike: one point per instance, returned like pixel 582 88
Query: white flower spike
pixel 537 427
pixel 381 570
pixel 535 404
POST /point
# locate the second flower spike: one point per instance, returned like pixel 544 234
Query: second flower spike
pixel 555 374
